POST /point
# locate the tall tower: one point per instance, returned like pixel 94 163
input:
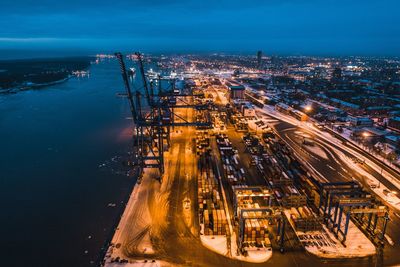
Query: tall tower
pixel 259 58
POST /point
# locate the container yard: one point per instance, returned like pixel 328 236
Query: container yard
pixel 304 219
pixel 230 161
pixel 297 194
pixel 202 142
pixel 255 216
pixel 253 210
pixel 211 208
pixel 255 233
pixel 212 213
pixel 237 177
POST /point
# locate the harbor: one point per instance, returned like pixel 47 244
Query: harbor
pixel 239 196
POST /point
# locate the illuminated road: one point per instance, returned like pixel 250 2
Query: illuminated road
pixel 333 162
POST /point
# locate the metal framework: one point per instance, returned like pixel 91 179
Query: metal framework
pixel 349 200
pixel 250 191
pixel 266 212
pixel 153 113
pixel 262 213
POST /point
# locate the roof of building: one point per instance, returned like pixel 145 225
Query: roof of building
pixel 282 105
pixel 365 119
pixel 344 103
pixel 395 119
pixel 379 108
pixel 393 138
pixel 374 131
pixel 236 87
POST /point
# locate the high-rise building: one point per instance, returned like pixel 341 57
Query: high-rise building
pixel 259 58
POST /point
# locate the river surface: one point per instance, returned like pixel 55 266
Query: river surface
pixel 61 174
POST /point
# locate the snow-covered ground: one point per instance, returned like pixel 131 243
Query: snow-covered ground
pixel 377 187
pixel 347 133
pixel 146 213
pixel 256 256
pixel 132 235
pixel 218 244
pixel 324 243
pixel 139 226
pixel 135 264
pixel 141 263
pixel 316 150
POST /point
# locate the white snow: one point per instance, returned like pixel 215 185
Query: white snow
pixel 317 151
pixel 134 264
pixel 255 256
pixel 143 219
pixel 141 263
pixel 215 243
pixel 218 245
pixel 377 187
pixel 356 244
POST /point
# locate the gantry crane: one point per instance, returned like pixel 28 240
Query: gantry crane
pixel 153 113
pixel 348 199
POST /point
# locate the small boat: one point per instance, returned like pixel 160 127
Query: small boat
pixel 132 71
pixel 81 73
pixel 152 75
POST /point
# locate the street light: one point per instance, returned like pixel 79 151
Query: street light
pixel 393 193
pixel 365 134
pixel 308 108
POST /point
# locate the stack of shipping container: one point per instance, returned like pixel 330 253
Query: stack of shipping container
pixel 211 209
pixel 289 196
pixel 202 142
pixel 230 161
pixel 304 219
pixel 255 230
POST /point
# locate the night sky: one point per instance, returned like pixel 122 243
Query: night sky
pixel 316 27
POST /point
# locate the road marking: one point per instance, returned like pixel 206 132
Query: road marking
pixel 389 240
pixel 331 167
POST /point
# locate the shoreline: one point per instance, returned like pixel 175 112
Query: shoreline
pixel 122 208
pixel 22 88
pixel 22 75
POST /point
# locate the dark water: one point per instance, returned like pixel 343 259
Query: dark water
pixel 54 196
